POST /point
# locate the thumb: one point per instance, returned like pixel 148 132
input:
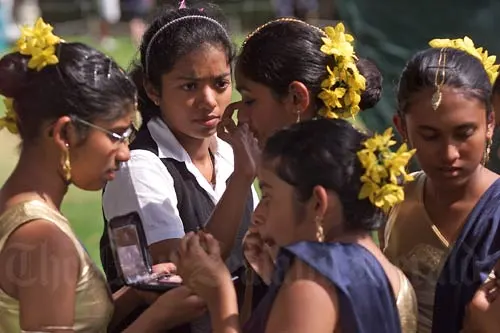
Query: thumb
pixel 212 244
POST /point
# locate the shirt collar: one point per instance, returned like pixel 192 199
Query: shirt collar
pixel 169 146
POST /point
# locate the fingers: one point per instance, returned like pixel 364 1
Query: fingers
pixel 167 267
pixel 212 244
pixel 227 125
pixel 193 243
pixel 183 246
pixel 231 109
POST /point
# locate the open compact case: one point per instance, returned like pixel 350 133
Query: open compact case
pixel 132 259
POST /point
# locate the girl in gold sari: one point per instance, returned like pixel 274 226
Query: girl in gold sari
pixel 443 235
pixel 72 107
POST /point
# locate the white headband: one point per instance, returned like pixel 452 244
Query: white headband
pixel 173 22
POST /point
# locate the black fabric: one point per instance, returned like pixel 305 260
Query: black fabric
pixel 194 206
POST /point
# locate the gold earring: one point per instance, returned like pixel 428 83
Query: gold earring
pixel 320 236
pixel 487 151
pixel 298 116
pixel 66 165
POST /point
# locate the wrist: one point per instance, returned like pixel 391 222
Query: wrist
pixel 242 178
pixel 223 300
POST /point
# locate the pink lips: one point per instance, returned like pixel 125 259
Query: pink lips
pixel 450 171
pixel 210 121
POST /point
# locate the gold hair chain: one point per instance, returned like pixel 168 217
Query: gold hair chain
pixel 284 19
pixel 439 80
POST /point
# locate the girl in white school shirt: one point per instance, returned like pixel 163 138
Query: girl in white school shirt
pixel 178 168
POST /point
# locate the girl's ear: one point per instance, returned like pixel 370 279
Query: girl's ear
pixel 297 101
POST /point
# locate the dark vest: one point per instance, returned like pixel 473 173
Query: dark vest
pixel 195 207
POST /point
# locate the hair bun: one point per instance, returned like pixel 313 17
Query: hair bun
pixel 373 92
pixel 13 74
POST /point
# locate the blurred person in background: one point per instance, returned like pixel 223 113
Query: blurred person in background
pixel 3 39
pixel 305 10
pixel 110 14
pixel 139 10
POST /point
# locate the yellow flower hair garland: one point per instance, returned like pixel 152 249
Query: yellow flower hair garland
pixel 385 172
pixel 341 91
pixel 39 43
pixel 467 45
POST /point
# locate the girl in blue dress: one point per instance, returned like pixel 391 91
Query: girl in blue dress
pixel 319 206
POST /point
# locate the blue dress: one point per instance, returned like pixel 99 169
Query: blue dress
pixel 469 263
pixel 366 300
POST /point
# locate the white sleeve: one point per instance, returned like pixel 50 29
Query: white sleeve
pixel 143 184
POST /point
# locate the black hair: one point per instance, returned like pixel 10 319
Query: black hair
pixel 324 152
pixel 496 87
pixel 462 71
pixel 174 42
pixel 85 83
pixel 286 51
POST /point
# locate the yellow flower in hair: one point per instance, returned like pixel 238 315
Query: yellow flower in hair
pixel 384 171
pixel 38 42
pixel 337 42
pixel 380 142
pixel 397 163
pixel 341 90
pixel 332 97
pixel 332 79
pixel 9 120
pixel 467 45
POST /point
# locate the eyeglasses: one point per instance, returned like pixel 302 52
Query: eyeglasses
pixel 115 137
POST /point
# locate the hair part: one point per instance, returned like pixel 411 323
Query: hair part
pixel 174 42
pixel 323 152
pixel 462 71
pixel 284 51
pixel 85 83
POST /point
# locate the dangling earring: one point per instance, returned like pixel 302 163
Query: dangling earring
pixel 66 165
pixel 487 150
pixel 320 236
pixel 298 116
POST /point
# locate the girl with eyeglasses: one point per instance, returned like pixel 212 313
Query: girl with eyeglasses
pixel 72 108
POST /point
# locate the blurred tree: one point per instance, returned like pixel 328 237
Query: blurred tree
pixel 391 31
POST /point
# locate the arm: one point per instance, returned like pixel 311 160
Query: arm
pixel 484 308
pixel 173 308
pixel 125 301
pixel 223 308
pixel 305 303
pixel 227 215
pixel 204 272
pixel 40 269
pixel 144 185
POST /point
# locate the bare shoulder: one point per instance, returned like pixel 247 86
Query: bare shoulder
pixel 34 251
pixel 307 302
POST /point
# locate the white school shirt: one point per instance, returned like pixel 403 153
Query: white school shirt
pixel 143 184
